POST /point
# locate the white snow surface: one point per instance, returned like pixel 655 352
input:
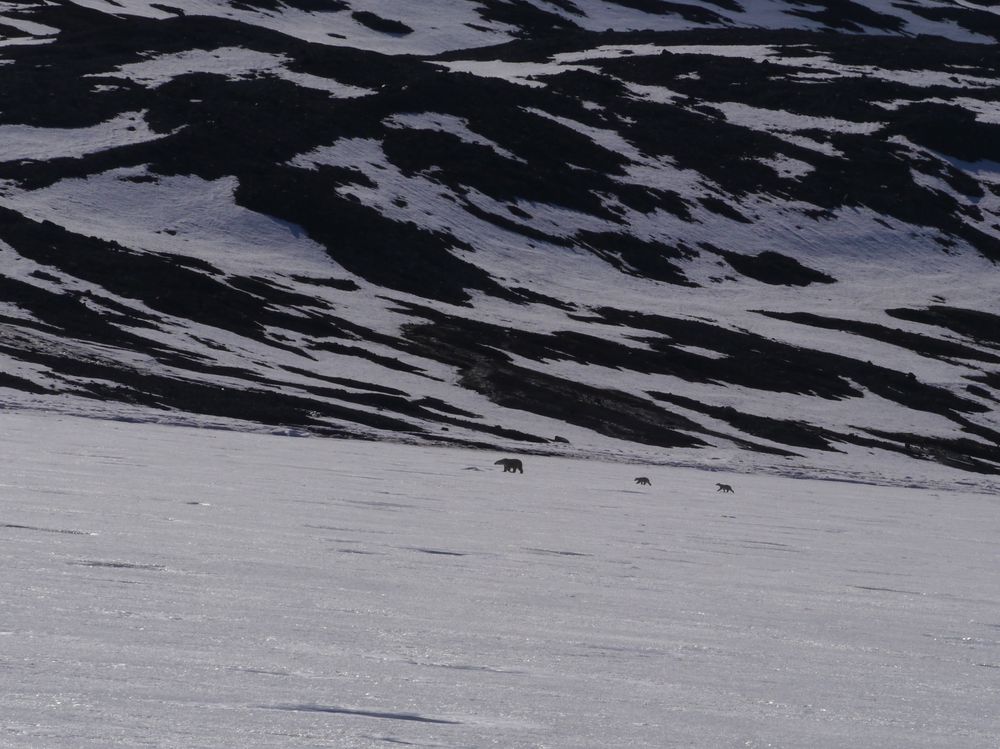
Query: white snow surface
pixel 23 142
pixel 186 216
pixel 174 587
pixel 234 63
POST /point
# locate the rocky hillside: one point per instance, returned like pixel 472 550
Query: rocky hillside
pixel 614 227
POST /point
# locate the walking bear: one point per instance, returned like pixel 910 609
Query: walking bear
pixel 510 465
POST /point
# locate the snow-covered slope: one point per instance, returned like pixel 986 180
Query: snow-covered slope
pixel 643 228
pixel 197 589
pixel 434 26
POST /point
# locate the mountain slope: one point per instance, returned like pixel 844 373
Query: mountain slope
pixel 635 226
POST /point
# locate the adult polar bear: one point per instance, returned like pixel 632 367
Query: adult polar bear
pixel 510 465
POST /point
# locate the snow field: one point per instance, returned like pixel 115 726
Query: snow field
pixel 175 587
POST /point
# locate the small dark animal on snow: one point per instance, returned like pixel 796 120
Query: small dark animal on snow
pixel 510 465
pixel 724 488
pixel 642 480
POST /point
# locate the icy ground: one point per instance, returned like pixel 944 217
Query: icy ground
pixel 173 587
